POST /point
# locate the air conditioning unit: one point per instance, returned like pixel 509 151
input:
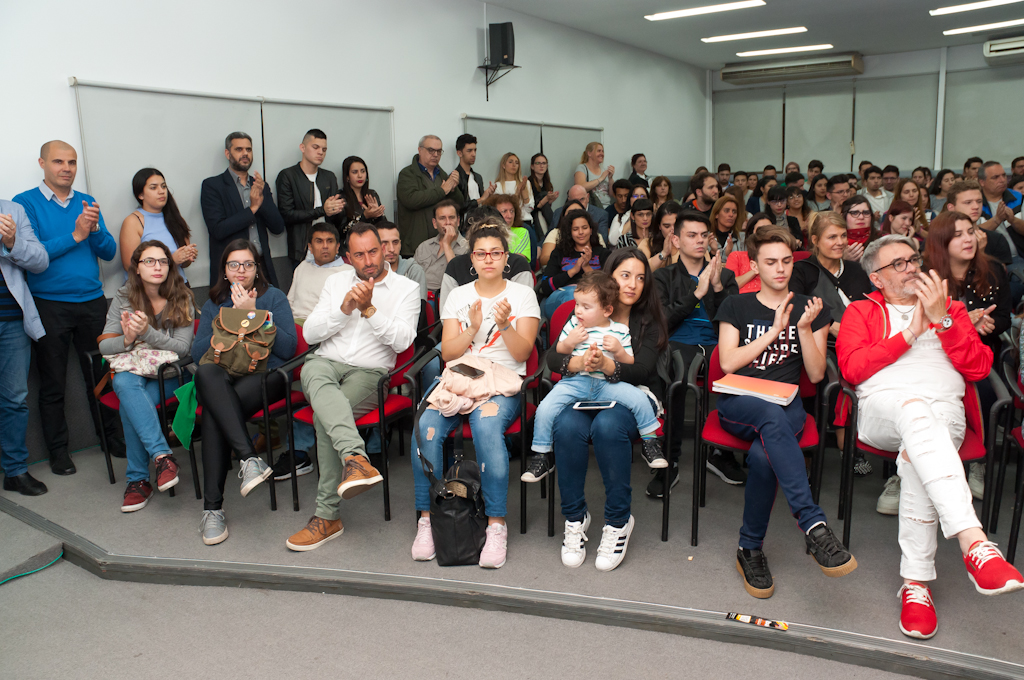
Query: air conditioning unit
pixel 1004 51
pixel 793 69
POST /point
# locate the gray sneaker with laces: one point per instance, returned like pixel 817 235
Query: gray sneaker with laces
pixel 252 473
pixel 213 527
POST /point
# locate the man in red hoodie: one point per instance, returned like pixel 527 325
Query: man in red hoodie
pixel 910 351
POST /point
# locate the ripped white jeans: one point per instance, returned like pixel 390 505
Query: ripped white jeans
pixel 932 481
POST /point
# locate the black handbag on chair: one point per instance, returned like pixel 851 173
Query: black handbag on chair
pixel 457 519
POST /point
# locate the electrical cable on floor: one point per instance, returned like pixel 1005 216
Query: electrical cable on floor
pixel 11 578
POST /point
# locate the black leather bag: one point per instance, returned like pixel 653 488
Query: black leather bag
pixel 457 519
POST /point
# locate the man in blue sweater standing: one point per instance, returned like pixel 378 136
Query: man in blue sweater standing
pixel 68 294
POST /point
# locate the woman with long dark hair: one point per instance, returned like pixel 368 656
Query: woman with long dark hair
pixel 908 191
pixel 661 192
pixel 154 307
pixel 577 252
pixel 817 193
pixel 157 219
pixel 361 202
pixel 229 402
pixel 860 226
pixel 797 206
pixel 941 185
pixel 544 193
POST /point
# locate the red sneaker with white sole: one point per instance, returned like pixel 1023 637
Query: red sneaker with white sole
pixel 136 496
pixel 989 572
pixel 918 618
pixel 166 472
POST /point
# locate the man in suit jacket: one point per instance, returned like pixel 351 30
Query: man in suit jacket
pixel 236 205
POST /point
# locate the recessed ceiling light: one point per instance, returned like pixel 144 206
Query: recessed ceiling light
pixel 983 27
pixel 710 9
pixel 953 9
pixel 784 50
pixel 755 34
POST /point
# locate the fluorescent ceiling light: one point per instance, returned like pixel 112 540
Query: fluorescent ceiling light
pixel 784 50
pixel 953 9
pixel 710 9
pixel 984 27
pixel 755 34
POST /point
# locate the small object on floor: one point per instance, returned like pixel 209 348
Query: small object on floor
pixel 612 549
pixel 757 621
pixel 259 442
pixel 423 544
pixel 990 573
pixel 60 464
pixel 213 527
pixel 861 466
pixel 976 480
pixel 757 578
pixel 650 449
pixel 283 466
pixel 538 466
pixel 574 550
pixel 357 476
pixel 117 447
pixel 831 555
pixel 657 485
pixel 495 547
pixel 136 496
pixel 889 501
pixel 253 472
pixel 25 484
pixel 917 615
pixel 724 466
pixel 166 472
pixel 316 532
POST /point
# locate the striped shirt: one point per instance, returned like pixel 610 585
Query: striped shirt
pixel 10 310
pixel 595 336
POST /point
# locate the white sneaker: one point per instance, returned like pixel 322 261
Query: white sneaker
pixel 423 544
pixel 613 546
pixel 889 501
pixel 574 552
pixel 976 479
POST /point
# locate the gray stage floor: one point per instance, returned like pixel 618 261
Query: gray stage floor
pixel 702 577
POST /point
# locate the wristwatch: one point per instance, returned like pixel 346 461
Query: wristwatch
pixel 370 311
pixel 944 324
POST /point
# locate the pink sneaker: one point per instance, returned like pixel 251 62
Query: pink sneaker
pixel 990 573
pixel 423 545
pixel 493 554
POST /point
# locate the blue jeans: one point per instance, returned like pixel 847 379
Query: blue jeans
pixel 488 440
pixel 15 352
pixel 568 391
pixel 305 437
pixel 775 460
pixel 612 430
pixel 143 438
pixel 553 301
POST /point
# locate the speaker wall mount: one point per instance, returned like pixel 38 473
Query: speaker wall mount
pixel 501 57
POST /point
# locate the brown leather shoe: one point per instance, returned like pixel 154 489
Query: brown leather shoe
pixel 317 532
pixel 260 443
pixel 357 477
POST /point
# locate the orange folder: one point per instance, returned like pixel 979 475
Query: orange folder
pixel 771 391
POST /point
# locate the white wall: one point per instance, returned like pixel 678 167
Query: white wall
pixel 419 57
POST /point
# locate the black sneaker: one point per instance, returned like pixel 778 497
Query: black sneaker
pixel 861 466
pixel 650 449
pixel 538 465
pixel 831 555
pixel 283 466
pixel 753 567
pixel 723 465
pixel 656 489
pixel 117 447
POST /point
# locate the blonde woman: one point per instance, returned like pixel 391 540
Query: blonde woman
pixel 511 181
pixel 592 177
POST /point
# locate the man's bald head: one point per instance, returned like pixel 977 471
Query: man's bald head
pixel 55 145
pixel 576 193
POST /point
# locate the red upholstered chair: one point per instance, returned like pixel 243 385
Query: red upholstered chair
pixel 709 434
pixel 391 407
pixel 801 255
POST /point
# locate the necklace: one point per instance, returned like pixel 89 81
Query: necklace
pixel 904 314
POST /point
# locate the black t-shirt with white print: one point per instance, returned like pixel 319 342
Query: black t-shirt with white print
pixel 781 361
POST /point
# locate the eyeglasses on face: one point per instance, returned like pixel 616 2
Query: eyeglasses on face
pixel 152 261
pixel 900 264
pixel 433 152
pixel 481 255
pixel 248 266
pixel 860 213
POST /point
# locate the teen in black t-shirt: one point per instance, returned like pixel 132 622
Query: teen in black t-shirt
pixel 774 335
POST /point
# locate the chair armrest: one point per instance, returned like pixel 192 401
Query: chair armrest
pixel 292 363
pixel 413 373
pixel 93 357
pixel 1003 401
pixel 1007 360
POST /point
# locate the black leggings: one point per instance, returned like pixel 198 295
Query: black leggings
pixel 227 404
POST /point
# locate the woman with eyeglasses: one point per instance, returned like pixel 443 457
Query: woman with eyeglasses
pixel 817 193
pixel 639 175
pixel 592 177
pixel 577 252
pixel 494 319
pixel 940 186
pixel 661 191
pixel 154 307
pixel 229 402
pixel 156 219
pixel 860 226
pixel 544 192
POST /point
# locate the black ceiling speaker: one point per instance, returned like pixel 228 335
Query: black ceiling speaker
pixel 503 44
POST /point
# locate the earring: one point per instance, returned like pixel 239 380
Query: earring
pixel 472 270
pixel 508 268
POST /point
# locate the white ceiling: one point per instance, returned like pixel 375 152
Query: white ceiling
pixel 865 26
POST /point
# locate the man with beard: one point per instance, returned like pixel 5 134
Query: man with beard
pixel 364 318
pixel 238 205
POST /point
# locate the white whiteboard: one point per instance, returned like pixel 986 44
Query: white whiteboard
pixel 748 128
pixel 563 147
pixel 895 121
pixel 495 138
pixel 983 115
pixel 819 125
pixel 181 135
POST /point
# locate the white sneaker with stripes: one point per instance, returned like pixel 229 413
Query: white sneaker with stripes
pixel 613 546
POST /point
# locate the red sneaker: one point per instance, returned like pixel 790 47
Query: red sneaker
pixel 136 496
pixel 166 472
pixel 989 572
pixel 918 619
